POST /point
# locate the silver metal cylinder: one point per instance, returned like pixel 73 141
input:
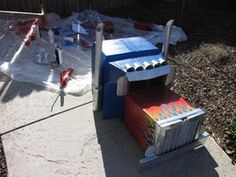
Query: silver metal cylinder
pixel 129 68
pixel 96 85
pixel 162 61
pixel 147 65
pixel 155 63
pixel 138 67
pixel 60 56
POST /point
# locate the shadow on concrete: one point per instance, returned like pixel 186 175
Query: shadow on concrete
pixel 4 80
pixel 121 155
pixel 9 89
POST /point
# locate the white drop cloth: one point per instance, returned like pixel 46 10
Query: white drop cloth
pixel 20 63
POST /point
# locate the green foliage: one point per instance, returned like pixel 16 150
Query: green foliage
pixel 230 127
pixel 230 130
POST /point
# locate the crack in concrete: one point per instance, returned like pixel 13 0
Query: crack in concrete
pixel 38 155
pixel 49 160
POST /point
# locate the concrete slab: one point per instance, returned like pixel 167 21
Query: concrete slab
pixel 61 146
pixel 25 103
pixel 78 143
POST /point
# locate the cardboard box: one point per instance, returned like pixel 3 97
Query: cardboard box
pixel 160 118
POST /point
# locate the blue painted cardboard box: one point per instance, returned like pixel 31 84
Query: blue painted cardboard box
pixel 115 54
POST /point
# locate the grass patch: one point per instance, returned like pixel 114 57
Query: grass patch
pixel 205 53
pixel 213 52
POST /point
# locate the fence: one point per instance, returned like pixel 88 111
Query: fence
pixel 62 7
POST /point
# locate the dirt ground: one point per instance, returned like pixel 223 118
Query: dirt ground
pixel 206 63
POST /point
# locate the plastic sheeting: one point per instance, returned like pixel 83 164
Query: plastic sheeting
pixel 20 62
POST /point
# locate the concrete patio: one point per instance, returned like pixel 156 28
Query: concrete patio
pixel 71 141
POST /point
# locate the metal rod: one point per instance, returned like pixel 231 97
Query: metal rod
pixel 25 13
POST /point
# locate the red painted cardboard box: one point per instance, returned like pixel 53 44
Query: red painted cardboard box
pixel 143 109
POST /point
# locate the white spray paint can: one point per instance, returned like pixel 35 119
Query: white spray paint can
pixel 37 31
pixel 58 53
pixel 51 36
pixel 60 56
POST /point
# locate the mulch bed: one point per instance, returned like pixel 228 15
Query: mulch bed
pixel 210 84
pixel 3 166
